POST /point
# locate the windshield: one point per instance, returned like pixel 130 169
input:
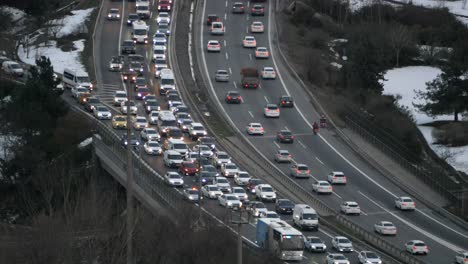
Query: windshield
pixel 168 123
pixel 174 157
pixel 267 189
pixel 343 241
pixel 120 95
pixel 159 51
pixel 151 132
pixel 180 146
pixel 302 168
pixel 153 144
pixel 309 216
pixel 142 8
pixel 231 198
pixel 222 181
pixel 163 27
pixel 82 78
pixel 372 255
pixel 230 167
pixel 214 189
pixel 243 175
pixel 339 257
pixel 292 242
pixel 315 240
pixel 174 176
pixel 139 32
pixel 222 156
pixel 239 191
pixel 15 66
pixel 133 16
pixel 176 133
pixel 102 109
pixel 192 192
pixel 167 81
pixel 119 119
pixel 255 181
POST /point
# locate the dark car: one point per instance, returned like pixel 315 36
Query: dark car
pixel 208 141
pixel 129 76
pixel 132 17
pixel 188 168
pixel 174 132
pixel 284 206
pixel 211 169
pixel 152 105
pixel 238 8
pixel 135 66
pixel 172 97
pixel 252 183
pixel 233 97
pixel 286 101
pixel 285 136
pixel 212 18
pixel 133 140
pixel 136 57
pixel 141 92
pixel 206 177
pixel 90 103
pixel 140 82
pixel 128 47
pixel 257 10
pixel 164 5
pixel 203 161
pixel 181 109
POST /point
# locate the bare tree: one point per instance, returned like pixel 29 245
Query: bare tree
pixel 400 37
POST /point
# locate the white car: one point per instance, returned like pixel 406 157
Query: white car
pixel 271 110
pixel 223 184
pixel 211 191
pixel 269 214
pixel 249 42
pixel 314 244
pixel 153 117
pixel 257 27
pixel 336 177
pixel 159 38
pixel 192 156
pixel 152 148
pixel 350 207
pixel 197 130
pixel 13 68
pixel 405 203
pixel 265 192
pixel 242 178
pixel 173 178
pixel 240 193
pixel 461 258
pixel 125 104
pixel 101 112
pixel 342 244
pixel 416 247
pixel 385 228
pixel 149 133
pixel 256 208
pixel 221 157
pixel 77 91
pixel 283 155
pixel 322 187
pixel 139 122
pixel 119 97
pixel 217 28
pixel 268 73
pixel 213 45
pixel 163 17
pixel 190 194
pixel 255 129
pixel 366 257
pixel 229 169
pixel 334 258
pixel 114 14
pixel 204 151
pixel 262 53
pixel 229 200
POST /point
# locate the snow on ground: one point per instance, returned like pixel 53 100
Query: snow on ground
pixel 85 142
pixel 73 23
pixel 59 59
pixel 15 13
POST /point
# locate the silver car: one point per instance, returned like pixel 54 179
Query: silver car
pixel 300 171
pixel 191 194
pixel 222 76
pixel 174 179
pixel 283 155
pixel 315 244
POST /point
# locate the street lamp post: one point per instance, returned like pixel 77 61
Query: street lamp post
pixel 239 222
pixel 200 198
pixel 129 226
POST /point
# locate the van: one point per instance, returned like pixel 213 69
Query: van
pixel 75 79
pixel 217 28
pixel 176 145
pixel 305 217
pixel 140 32
pixel 167 81
pixel 172 158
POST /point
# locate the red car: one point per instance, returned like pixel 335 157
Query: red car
pixel 164 5
pixel 188 168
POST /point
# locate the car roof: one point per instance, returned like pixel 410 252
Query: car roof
pixel 255 124
pixel 213 41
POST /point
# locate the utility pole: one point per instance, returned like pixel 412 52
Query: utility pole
pixel 129 183
pixel 239 223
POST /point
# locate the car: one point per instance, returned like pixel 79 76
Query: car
pixel 249 42
pixel 242 178
pixel 285 136
pixel 173 178
pixel 315 244
pixel 416 247
pixel 173 132
pixel 164 28
pixel 211 169
pixel 209 141
pixel 164 5
pixel 385 228
pixel 190 194
pixel 286 101
pixel 153 117
pixel 140 82
pixel 262 53
pixel 405 203
pixel 223 184
pixel 128 47
pixel 213 46
pixel 119 121
pixel 283 155
pixel 461 258
pixel 271 110
pixel 366 257
pixel 256 208
pixel 129 76
pixel 132 17
pixel 300 171
pixel 150 134
pixel 114 14
pixel 221 76
pixel 90 103
pixel 133 140
pixel 171 105
pixel 229 201
pixel 77 91
pixel 257 10
pixel 139 122
pixel 181 109
pixel 141 92
pixel 221 157
pixel 152 106
pixel 269 214
pixel 240 193
pixel 12 68
pixel 163 17
pixel 238 8
pixel 172 96
pixel 229 169
pixel 253 182
pixel 217 28
pixel 255 129
pixel 181 117
pixel 188 168
pixel 334 258
pixel 119 97
pixel 142 2
pixel 159 37
pixel 211 191
pixel 143 11
pixel 135 66
pixel 136 58
pixel 265 192
pixel 257 27
pixel 83 97
pixel 336 177
pixel 125 104
pixel 284 206
pixel 116 63
pixel 197 130
pixel 152 147
pixel 191 156
pixel 233 97
pixel 211 18
pixel 342 244
pixel 101 112
pixel 185 124
pixel 204 151
pixel 268 73
pixel 350 208
pixel 322 187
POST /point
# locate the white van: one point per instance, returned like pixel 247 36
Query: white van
pixel 140 32
pixel 176 145
pixel 75 79
pixel 172 158
pixel 13 68
pixel 305 217
pixel 167 81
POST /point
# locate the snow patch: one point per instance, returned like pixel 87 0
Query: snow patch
pixel 85 142
pixel 6 141
pixel 73 23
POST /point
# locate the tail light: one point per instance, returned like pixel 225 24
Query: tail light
pixel 281 136
pixel 255 85
pixel 283 102
pixel 426 247
pixel 308 171
pixel 277 110
pixel 404 204
pixel 292 137
pixel 240 97
pixel 414 247
pixel 253 9
pixel 246 85
pixel 261 129
pixel 229 97
pixel 251 129
pixel 289 155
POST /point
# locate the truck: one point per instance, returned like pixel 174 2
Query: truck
pixel 305 217
pixel 250 78
pixel 280 239
pixel 140 32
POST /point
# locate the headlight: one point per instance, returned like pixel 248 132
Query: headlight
pixel 194 133
pixel 91 86
pixel 108 15
pixel 263 196
pixel 229 203
pixel 128 21
pixel 118 16
pixel 204 133
pixel 139 94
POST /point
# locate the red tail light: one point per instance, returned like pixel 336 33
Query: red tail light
pixel 308 171
pixel 289 155
pixel 281 136
pixel 426 247
pixel 277 110
pixel 283 102
pixel 404 204
pixel 292 137
pixel 261 129
pixel 414 247
pixel 246 85
pixel 229 97
pixel 255 85
pixel 242 7
pixel 240 97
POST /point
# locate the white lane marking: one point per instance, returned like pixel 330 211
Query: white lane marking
pixel 334 149
pixel 247 29
pixel 235 84
pixel 225 17
pixel 250 56
pixel 226 3
pixel 225 43
pixel 302 144
pixel 248 17
pixel 326 233
pixel 337 195
pixel 151 15
pixel 248 3
pixel 230 71
pixel 148 67
pixel 319 160
pixel 422 231
pixel 151 82
pixel 285 127
pixel 250 113
pixel 266 99
pixel 121 27
pixel 276 144
pixel 227 56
